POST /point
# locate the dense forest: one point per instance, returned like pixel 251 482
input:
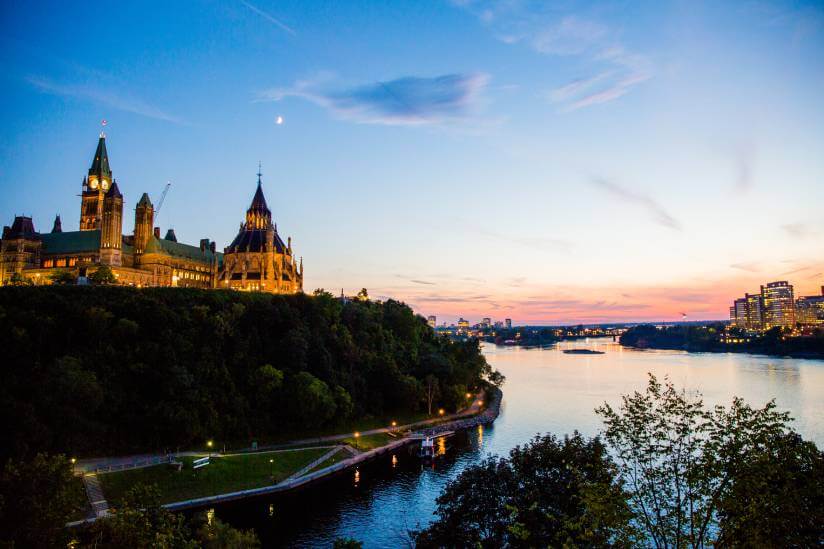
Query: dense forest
pixel 105 370
pixel 709 339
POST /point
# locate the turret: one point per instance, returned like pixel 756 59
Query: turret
pixel 95 187
pixel 111 231
pixel 143 222
pixel 58 225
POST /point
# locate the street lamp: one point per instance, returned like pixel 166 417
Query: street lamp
pixel 468 395
pixel 357 436
pixel 441 411
pixel 272 469
pixel 209 445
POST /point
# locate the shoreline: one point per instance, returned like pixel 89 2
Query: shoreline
pixel 461 422
pixel 485 417
pixel 797 355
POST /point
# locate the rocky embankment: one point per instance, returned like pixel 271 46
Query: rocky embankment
pixel 486 417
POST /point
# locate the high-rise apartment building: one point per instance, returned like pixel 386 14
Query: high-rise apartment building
pixel 431 320
pixel 809 310
pixel 778 305
pixel 508 323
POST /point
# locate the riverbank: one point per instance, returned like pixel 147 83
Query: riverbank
pixel 248 473
pixel 719 338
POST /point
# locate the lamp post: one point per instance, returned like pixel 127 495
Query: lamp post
pixel 272 469
pixel 357 436
pixel 209 445
pixel 394 424
pixel 441 412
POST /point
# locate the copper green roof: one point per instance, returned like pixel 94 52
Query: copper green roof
pixel 178 249
pixel 71 242
pixel 144 201
pixel 100 164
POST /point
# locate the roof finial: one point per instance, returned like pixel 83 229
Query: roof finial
pixel 103 125
pixel 259 174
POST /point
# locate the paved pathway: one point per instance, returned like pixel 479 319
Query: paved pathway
pixel 94 491
pixel 315 463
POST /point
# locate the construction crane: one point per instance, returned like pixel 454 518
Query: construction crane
pixel 162 198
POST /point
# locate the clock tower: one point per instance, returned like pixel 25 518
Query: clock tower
pixel 95 187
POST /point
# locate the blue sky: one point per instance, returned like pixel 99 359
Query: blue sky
pixel 548 162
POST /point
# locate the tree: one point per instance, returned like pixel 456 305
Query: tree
pixel 777 493
pixel 548 493
pixel 431 392
pixel 219 535
pixel 103 275
pixel 687 467
pixel 363 295
pixel 18 279
pixel 37 498
pixel 140 521
pixel 62 277
pixel 347 543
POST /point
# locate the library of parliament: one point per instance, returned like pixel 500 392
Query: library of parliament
pixel 256 260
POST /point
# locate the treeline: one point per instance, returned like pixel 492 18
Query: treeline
pixel 708 339
pixel 108 370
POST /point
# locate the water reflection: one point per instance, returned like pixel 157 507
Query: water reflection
pixel 546 391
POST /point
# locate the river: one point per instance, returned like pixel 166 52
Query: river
pixel 545 391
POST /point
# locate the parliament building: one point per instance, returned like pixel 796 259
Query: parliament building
pixel 256 260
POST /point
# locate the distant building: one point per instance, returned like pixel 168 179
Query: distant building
pixel 778 305
pixel 486 322
pixel 498 324
pixel 432 321
pixel 508 323
pixel 755 312
pixel 462 323
pixel 809 310
pixel 738 313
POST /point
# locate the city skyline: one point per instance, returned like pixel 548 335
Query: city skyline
pixel 577 165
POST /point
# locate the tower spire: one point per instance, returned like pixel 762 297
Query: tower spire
pixel 259 174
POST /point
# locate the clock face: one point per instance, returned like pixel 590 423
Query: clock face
pixel 105 185
pixel 92 183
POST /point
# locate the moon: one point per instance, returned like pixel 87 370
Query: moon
pixel 279 120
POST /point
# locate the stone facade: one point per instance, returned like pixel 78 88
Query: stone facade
pixel 257 259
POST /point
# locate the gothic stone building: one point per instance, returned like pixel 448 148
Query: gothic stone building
pixel 256 260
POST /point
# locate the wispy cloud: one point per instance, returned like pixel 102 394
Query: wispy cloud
pixel 629 71
pixel 798 230
pixel 410 100
pixel 541 243
pixel 426 282
pixel 103 96
pixel 269 17
pixel 750 267
pixel 571 35
pixel 656 210
pixel 554 29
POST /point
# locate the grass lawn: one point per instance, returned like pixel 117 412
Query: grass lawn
pixel 340 455
pixel 368 442
pixel 222 475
